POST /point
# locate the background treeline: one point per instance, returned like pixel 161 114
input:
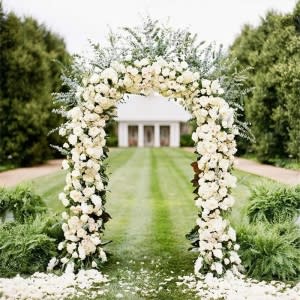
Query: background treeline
pixel 28 76
pixel 272 50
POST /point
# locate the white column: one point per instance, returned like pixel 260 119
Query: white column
pixel 156 135
pixel 175 135
pixel 123 134
pixel 141 135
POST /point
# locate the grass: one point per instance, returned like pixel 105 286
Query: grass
pixel 151 204
pixel 6 167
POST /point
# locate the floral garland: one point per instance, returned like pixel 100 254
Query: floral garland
pixel 86 182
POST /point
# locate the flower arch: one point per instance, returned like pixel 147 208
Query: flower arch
pixel 97 93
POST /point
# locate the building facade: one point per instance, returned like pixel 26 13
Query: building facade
pixel 152 121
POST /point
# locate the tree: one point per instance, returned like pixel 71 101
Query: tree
pixel 29 74
pixel 272 50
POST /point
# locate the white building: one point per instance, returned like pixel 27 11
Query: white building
pixel 151 121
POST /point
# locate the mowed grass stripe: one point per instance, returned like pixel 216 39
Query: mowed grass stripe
pixel 168 237
pixel 130 206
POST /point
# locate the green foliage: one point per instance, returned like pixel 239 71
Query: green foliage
pixel 112 138
pixel 186 140
pixel 22 202
pixel 27 248
pixel 272 51
pixel 273 205
pixel 270 251
pixel 29 74
pixel 112 141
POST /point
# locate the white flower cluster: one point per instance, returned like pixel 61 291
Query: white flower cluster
pixel 85 131
pixel 215 144
pixel 237 287
pixel 87 284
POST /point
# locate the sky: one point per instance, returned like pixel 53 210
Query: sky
pixel 79 20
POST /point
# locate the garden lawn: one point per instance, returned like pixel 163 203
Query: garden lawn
pixel 152 208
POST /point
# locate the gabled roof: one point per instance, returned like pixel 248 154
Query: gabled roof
pixel 151 108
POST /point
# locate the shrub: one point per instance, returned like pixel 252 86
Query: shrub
pixel 22 202
pixel 112 141
pixel 186 140
pixel 270 251
pixel 27 248
pixel 276 205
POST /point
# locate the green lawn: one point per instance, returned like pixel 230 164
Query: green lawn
pixel 151 204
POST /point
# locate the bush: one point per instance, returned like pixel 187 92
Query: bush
pixel 186 141
pixel 22 202
pixel 27 248
pixel 270 251
pixel 276 205
pixel 112 141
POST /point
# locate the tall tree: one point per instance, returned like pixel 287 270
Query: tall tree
pixel 273 51
pixel 29 74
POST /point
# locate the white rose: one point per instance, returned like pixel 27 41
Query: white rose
pixel 219 268
pixel 93 131
pixel 95 78
pixel 76 196
pixel 96 201
pixel 218 253
pixel 71 247
pixel 65 164
pixel 205 83
pixel 102 88
pixel 198 265
pixel 94 264
pixel 231 233
pixel 72 139
pixel 111 74
pixel 102 255
pixel 210 204
pixel 188 76
pixel 88 191
pixel 165 72
pixel 62 131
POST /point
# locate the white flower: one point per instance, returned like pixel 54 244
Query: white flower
pixel 76 196
pixel 94 131
pixel 72 139
pixel 96 201
pixel 205 83
pixel 210 204
pixel 65 164
pixel 61 246
pixel 231 233
pixel 62 197
pixel 65 215
pixel 188 76
pixel 94 264
pixel 198 265
pixel 218 253
pixel 52 263
pixel 71 247
pixel 102 255
pixel 88 191
pixel 62 131
pixel 224 164
pixel 95 78
pixel 111 74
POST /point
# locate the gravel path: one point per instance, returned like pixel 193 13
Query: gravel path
pixel 287 176
pixel 16 176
